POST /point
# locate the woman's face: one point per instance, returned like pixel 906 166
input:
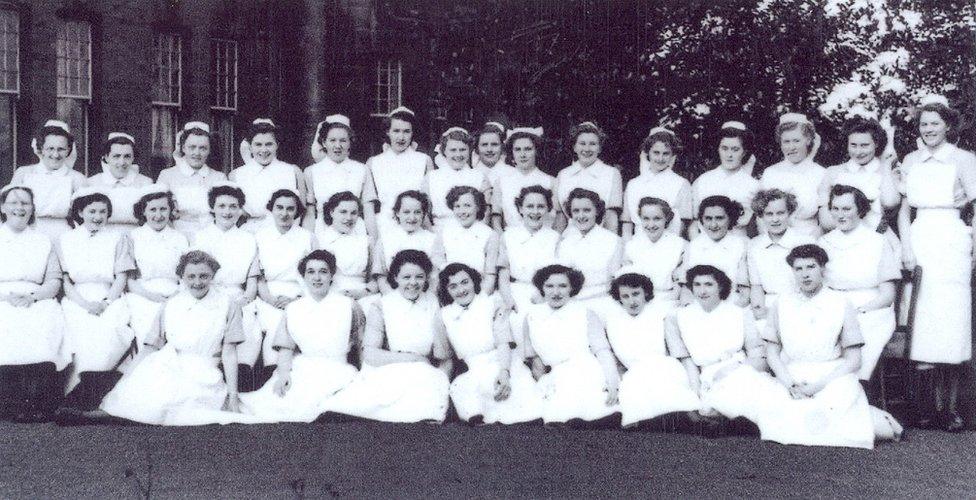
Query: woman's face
pixel 284 210
pixel 534 210
pixel 344 216
pixel 731 153
pixel 844 210
pixel 460 287
pixel 795 145
pixel 932 128
pixel 776 217
pixel 556 290
pixel 227 211
pixel 157 213
pixel 466 210
pixel 706 291
pixel 196 150
pixel 17 209
pixel 411 214
pixel 197 279
pixel 587 148
pixel 653 220
pixel 716 222
pixel 583 213
pixel 633 299
pixel 318 277
pixel 457 153
pixel 264 148
pixel 94 215
pixel 400 135
pixel 861 147
pixel 489 148
pixel 119 158
pixel 660 156
pixel 411 281
pixel 54 151
pixel 337 144
pixel 523 149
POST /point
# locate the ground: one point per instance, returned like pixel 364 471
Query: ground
pixel 453 460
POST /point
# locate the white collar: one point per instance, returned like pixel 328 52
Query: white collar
pixel 872 166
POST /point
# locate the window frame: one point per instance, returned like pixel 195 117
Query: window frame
pixel 221 102
pixel 15 15
pixel 63 53
pixel 158 70
pixel 384 71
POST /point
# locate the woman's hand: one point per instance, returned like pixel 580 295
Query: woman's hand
pixel 18 300
pixel 809 389
pixel 283 383
pixel 612 394
pixel 233 402
pixel 356 294
pixel 760 311
pixel 503 387
pixel 281 301
pixel 95 308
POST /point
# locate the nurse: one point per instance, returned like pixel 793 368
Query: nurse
pixel 490 154
pixel 455 145
pixel 467 239
pixel 658 180
pixel 798 173
pixel 190 179
pixel 353 250
pixel 589 172
pixel 522 149
pixel 411 209
pixel 733 175
pixel 335 171
pixel 718 246
pixel 656 252
pixel 120 180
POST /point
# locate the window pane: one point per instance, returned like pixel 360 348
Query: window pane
pixel 74 59
pixel 388 91
pixel 74 112
pixel 9 51
pixel 167 84
pixel 8 137
pixel 224 74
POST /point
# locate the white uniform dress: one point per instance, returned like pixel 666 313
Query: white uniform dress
pixel 279 255
pixel 599 177
pixel 404 391
pixel 181 383
pixel 352 257
pixel 665 185
pixel 859 262
pixel 942 245
pixel 156 255
pixel 507 187
pixel 91 262
pixel 597 254
pixel 575 386
pixel 52 195
pixel 654 383
pixel 656 260
pixel 440 181
pixel 31 334
pixel 803 180
pixel 326 178
pixel 390 174
pixel 123 193
pixel 524 253
pixel 472 333
pixel 738 186
pixel 190 188
pixel 394 240
pixel 810 333
pixel 467 245
pixel 727 254
pixel 767 263
pixel 259 183
pixel 319 367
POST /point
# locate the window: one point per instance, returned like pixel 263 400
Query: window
pixel 389 86
pixel 225 75
pixel 223 148
pixel 74 82
pixel 167 93
pixel 9 91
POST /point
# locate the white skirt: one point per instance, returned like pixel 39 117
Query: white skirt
pixel 142 311
pixel 473 392
pixel 655 387
pixel 397 392
pixel 95 343
pixel 736 389
pixel 314 379
pixel 32 334
pixel 877 327
pixel 575 389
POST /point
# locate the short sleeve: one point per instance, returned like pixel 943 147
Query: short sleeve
pixel 234 330
pixel 124 259
pixel 596 333
pixel 752 339
pixel 283 339
pixel 255 270
pixel 966 172
pixel 53 269
pixel 823 191
pixel 850 334
pixel 889 266
pixel 672 338
pixel 496 201
pixel 683 202
pixel 503 262
pixel 369 190
pixel 771 332
pixel 752 265
pixel 616 198
pixel 157 331
pixel 374 331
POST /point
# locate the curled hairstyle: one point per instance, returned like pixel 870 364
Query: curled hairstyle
pixel 139 207
pixel 732 208
pixel 224 190
pixel 860 125
pixel 449 272
pixel 533 189
pixel 197 257
pixel 860 199
pixel 261 128
pixel 586 194
pixel 745 137
pixel 456 192
pixel 765 197
pixel 952 118
pixel 650 201
pixel 489 128
pixel 402 116
pixel 334 202
pixel 509 146
pixel 196 131
pixel 416 195
pixel 122 141
pixel 575 278
pixel 24 189
pixel 79 204
pixel 632 280
pixel 47 130
pixel 327 127
pixel 287 193
pixel 409 256
pixel 806 128
pixel 668 139
pixel 808 251
pixel 724 283
pixel 587 128
pixel 321 255
pixel 455 135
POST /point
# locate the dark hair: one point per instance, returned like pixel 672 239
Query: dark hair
pixel 334 202
pixel 808 251
pixel 323 255
pixel 732 208
pixel 670 140
pixel 287 193
pixel 409 256
pixel 766 196
pixel 122 141
pixel 536 189
pixel 489 128
pixel 78 204
pixel 445 276
pixel 860 199
pixel 860 125
pixel 225 190
pixel 586 194
pixel 805 127
pixel 417 195
pixel 587 128
pixel 328 126
pixel 403 116
pixel 575 278
pixel 724 283
pixel 456 192
pixel 139 207
pixel 30 193
pixel 650 201
pixel 632 280
pixel 509 145
pixel 47 130
pixel 195 131
pixel 455 135
pixel 197 257
pixel 746 137
pixel 261 128
pixel 952 118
